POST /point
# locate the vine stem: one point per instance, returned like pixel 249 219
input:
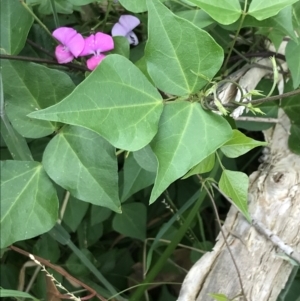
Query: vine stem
pixel 36 19
pixel 55 16
pixel 263 100
pixel 33 44
pixel 108 8
pixel 42 61
pixel 237 34
pixel 275 97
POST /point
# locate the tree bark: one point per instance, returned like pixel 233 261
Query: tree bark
pixel 274 199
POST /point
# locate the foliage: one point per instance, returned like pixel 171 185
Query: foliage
pixel 84 154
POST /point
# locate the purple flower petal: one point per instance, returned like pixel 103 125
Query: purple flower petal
pixel 103 42
pixel 94 44
pixel 94 61
pixel 129 22
pixel 64 34
pixel 118 30
pixel 63 55
pixel 76 44
pixel 132 38
pixel 89 46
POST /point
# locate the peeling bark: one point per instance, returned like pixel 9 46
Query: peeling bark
pixel 274 199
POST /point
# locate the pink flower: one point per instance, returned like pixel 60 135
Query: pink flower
pixel 71 46
pixel 96 44
pixel 124 28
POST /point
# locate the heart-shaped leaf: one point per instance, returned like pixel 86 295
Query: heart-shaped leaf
pixel 265 9
pixel 187 134
pixel 240 144
pixel 15 25
pixel 29 87
pixel 225 11
pixel 29 204
pixel 235 185
pixel 135 178
pixel 85 164
pixel 132 221
pixel 204 166
pixel 116 101
pixel 180 57
pixel 292 53
pixel 135 6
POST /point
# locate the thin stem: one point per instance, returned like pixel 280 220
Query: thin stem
pixel 236 35
pixel 224 236
pixel 55 16
pixel 119 152
pixel 220 161
pixel 257 119
pixel 276 97
pixel 33 44
pixel 42 61
pixel 262 100
pixel 258 54
pixel 180 245
pixel 108 8
pixel 64 206
pixel 36 18
pixel 143 284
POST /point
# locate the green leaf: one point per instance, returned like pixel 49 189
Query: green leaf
pixel 291 105
pixel 15 25
pixel 16 144
pixel 296 13
pixel 61 7
pixel 116 101
pixel 89 234
pixel 292 52
pixel 81 2
pixel 17 294
pixel 204 166
pixel 135 178
pixel 135 6
pixel 187 135
pixel 29 203
pixel 235 185
pixel 121 46
pixel 47 247
pixel 224 12
pixel 196 16
pixel 281 22
pixel 99 214
pixel 294 138
pixel 132 221
pixel 75 212
pixel 146 158
pixel 240 144
pixel 219 297
pixel 75 266
pixel 177 52
pixel 85 164
pixel 265 9
pixel 29 87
